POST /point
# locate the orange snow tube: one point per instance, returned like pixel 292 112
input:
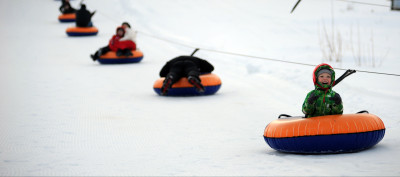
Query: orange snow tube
pixel 325 134
pixel 82 31
pixel 211 83
pixel 67 17
pixel 111 58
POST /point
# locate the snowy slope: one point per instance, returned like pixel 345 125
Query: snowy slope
pixel 62 114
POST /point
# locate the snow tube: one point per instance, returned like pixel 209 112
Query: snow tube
pixel 67 17
pixel 82 31
pixel 325 134
pixel 211 83
pixel 111 58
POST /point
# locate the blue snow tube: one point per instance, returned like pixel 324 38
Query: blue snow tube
pixel 111 58
pixel 82 31
pixel 325 134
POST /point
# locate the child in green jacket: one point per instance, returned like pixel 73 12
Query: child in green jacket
pixel 323 100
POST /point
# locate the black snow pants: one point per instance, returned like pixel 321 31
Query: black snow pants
pixel 184 68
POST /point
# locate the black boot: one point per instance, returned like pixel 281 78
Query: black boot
pixel 119 52
pixel 196 83
pixel 167 84
pixel 93 57
pixel 128 52
pixel 96 55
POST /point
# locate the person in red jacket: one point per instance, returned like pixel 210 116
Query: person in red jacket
pixel 121 47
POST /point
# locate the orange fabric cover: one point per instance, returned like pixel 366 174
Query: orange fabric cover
pixel 206 80
pixel 67 16
pixel 112 55
pixel 323 125
pixel 82 30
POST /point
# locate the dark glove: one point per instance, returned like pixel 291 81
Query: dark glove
pixel 312 98
pixel 337 99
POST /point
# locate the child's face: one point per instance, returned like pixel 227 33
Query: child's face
pixel 120 33
pixel 324 79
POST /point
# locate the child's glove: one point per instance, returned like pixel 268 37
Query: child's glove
pixel 312 98
pixel 337 99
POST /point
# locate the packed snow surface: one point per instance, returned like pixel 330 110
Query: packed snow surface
pixel 61 114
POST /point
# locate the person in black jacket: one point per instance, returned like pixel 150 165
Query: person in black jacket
pixel 66 7
pixel 184 66
pixel 83 17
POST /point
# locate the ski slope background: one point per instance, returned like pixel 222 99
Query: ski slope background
pixel 61 114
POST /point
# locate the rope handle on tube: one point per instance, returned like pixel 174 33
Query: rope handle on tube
pixel 195 50
pixel 284 115
pixel 363 111
pixel 347 73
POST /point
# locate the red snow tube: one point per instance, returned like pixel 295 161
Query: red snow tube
pixel 82 31
pixel 67 17
pixel 325 134
pixel 211 83
pixel 111 58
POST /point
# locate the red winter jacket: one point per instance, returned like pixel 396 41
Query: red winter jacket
pixel 115 44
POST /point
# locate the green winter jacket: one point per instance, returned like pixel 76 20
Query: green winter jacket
pixel 328 101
